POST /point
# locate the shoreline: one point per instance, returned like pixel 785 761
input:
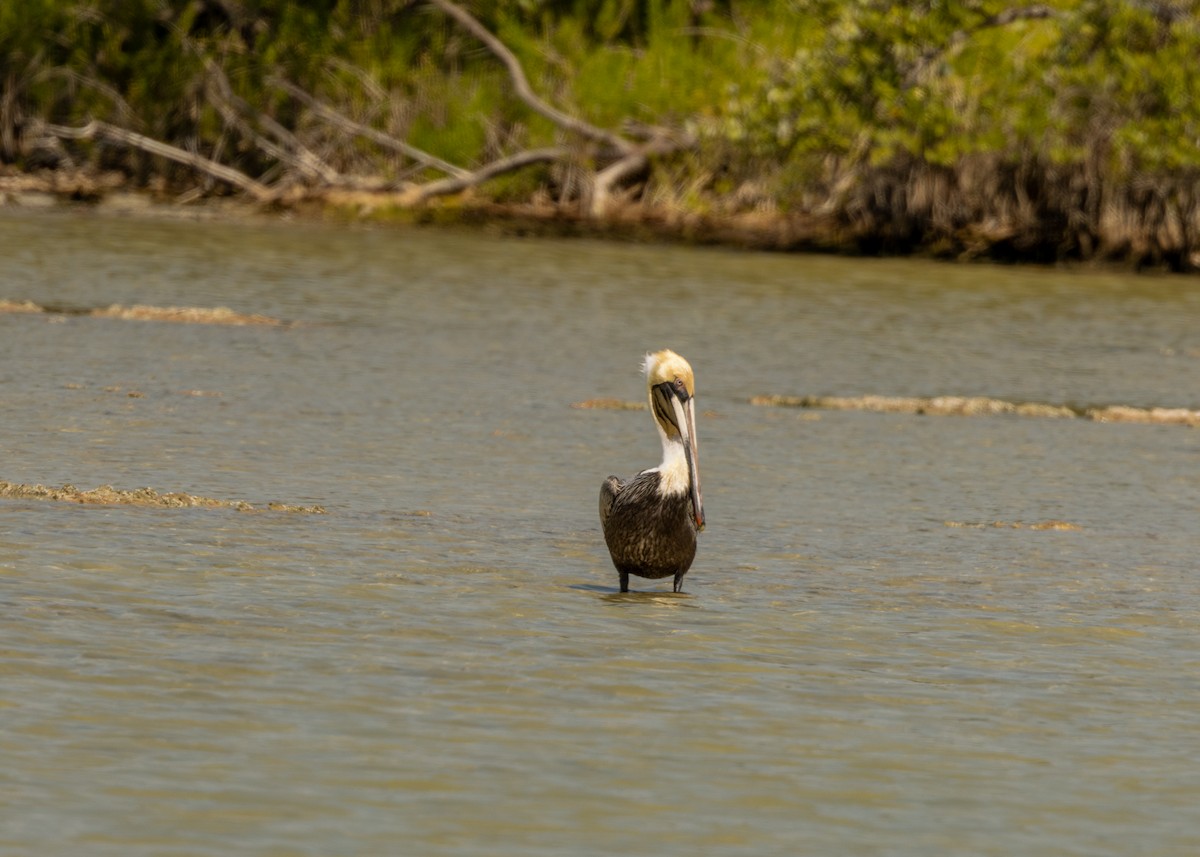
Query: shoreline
pixel 755 231
pixel 112 193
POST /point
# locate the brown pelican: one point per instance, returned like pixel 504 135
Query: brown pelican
pixel 650 522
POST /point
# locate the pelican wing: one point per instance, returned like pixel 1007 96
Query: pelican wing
pixel 608 495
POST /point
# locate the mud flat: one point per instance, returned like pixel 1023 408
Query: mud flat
pixel 1061 526
pixel 106 495
pixel 604 404
pixel 141 312
pixel 972 406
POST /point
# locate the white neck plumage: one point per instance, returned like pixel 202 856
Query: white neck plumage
pixel 674 475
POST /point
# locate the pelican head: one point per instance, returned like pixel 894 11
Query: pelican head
pixel 671 388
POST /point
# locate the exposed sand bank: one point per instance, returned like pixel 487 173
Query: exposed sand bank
pixel 106 495
pixel 140 312
pixel 983 406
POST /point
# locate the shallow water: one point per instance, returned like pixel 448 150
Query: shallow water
pixel 441 664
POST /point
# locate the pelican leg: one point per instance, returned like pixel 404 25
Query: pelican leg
pixel 678 582
pixel 624 581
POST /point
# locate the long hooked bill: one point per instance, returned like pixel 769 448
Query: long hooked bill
pixel 685 414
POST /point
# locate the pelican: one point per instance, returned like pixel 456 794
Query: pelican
pixel 650 522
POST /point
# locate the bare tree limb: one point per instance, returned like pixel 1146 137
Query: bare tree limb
pixel 631 157
pixel 102 130
pixel 124 111
pixel 521 83
pixel 8 118
pixel 330 115
pixel 289 149
pixel 444 187
pixel 234 110
pixel 609 177
pixel 662 143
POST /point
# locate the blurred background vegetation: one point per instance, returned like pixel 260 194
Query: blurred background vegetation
pixel 1043 131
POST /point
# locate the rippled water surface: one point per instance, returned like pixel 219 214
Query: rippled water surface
pixel 441 664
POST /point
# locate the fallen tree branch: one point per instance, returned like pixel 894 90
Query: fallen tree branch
pixel 630 157
pixel 444 187
pixel 661 142
pixel 76 78
pixel 289 149
pixel 521 83
pixel 347 124
pixel 610 176
pixel 96 129
pixel 621 157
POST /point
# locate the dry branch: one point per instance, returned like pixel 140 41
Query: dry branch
pixel 630 157
pixel 661 142
pixel 76 78
pixel 289 149
pixel 444 187
pixel 102 130
pixel 609 177
pixel 621 159
pixel 521 83
pixel 349 125
pixel 458 179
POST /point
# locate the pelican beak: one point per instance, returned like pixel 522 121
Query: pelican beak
pixel 693 463
pixel 683 416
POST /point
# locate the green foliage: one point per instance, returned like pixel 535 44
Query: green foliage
pixel 872 81
pixel 776 91
pixel 1127 80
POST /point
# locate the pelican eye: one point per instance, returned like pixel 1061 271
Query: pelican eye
pixel 681 390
